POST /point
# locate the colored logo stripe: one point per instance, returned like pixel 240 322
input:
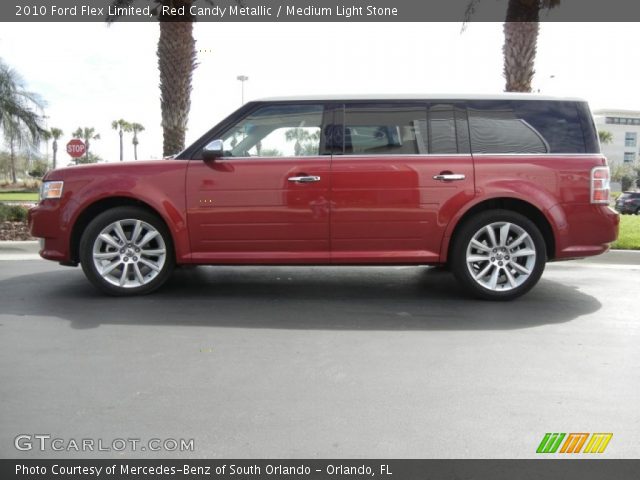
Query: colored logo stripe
pixel 598 442
pixel 550 442
pixel 574 443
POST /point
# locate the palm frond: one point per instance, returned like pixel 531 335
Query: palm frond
pixel 468 13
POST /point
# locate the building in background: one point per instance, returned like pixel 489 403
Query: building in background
pixel 624 126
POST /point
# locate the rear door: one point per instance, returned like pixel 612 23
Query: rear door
pixel 403 171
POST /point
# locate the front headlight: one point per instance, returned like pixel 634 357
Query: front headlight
pixel 51 190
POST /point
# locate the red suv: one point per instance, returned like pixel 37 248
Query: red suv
pixel 492 187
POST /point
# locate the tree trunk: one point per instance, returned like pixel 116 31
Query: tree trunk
pixel 86 151
pixel 55 151
pixel 520 40
pixel 12 147
pixel 176 61
pixel 121 151
pixel 135 151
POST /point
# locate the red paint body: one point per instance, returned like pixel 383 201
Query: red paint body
pixel 365 210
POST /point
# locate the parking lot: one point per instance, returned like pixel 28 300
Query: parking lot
pixel 321 362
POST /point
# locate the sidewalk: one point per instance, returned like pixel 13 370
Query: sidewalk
pixel 16 250
pixel 10 250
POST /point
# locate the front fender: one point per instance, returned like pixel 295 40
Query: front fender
pixel 167 199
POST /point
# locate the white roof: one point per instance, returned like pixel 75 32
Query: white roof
pixel 422 96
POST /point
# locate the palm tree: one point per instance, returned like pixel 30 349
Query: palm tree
pixel 176 61
pixel 20 122
pixel 136 128
pixel 122 126
pixel 605 136
pixel 87 134
pixel 56 133
pixel 521 28
pixel 305 141
pixel 46 136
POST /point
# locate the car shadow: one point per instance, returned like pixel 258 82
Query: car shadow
pixel 328 298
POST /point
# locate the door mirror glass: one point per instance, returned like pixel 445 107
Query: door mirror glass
pixel 213 150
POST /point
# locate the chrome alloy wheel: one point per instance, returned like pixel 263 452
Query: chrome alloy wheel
pixel 501 256
pixel 129 253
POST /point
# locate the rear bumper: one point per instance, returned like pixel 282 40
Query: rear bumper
pixel 589 230
pixel 45 224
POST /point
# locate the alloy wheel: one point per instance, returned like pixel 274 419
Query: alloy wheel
pixel 129 253
pixel 501 256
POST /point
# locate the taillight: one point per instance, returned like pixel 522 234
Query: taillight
pixel 600 185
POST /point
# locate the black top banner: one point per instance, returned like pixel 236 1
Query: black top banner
pixel 314 11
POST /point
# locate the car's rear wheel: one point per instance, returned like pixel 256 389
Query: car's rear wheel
pixel 498 255
pixel 127 251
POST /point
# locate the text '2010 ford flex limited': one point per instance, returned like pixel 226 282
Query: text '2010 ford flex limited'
pixel 492 187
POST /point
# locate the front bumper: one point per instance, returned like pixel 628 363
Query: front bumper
pixel 45 224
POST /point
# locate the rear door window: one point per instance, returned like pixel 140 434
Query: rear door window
pixel 385 129
pixel 401 129
pixel 448 129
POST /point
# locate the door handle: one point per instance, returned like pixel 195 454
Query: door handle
pixel 449 177
pixel 304 179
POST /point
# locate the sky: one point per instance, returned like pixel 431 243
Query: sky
pixel 91 74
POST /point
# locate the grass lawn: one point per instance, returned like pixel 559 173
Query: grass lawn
pixel 18 196
pixel 629 236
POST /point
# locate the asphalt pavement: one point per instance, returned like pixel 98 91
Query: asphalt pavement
pixel 318 362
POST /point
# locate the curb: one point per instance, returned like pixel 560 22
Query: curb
pixel 19 250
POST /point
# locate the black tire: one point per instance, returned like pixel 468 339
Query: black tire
pixel 512 282
pixel 152 278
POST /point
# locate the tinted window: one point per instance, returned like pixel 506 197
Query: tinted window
pixel 276 131
pixel 401 129
pixel 448 129
pixel 525 127
pixel 385 129
pixel 442 129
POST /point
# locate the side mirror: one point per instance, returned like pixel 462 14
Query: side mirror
pixel 213 150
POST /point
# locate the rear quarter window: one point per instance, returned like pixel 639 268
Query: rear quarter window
pixel 526 126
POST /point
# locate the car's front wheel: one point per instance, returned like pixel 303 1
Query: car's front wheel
pixel 127 251
pixel 498 255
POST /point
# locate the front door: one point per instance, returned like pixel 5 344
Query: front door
pixel 267 199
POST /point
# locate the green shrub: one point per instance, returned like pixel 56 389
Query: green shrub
pixel 13 213
pixel 626 181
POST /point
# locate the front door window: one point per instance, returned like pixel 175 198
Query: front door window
pixel 276 131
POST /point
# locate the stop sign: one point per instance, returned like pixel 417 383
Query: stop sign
pixel 76 148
